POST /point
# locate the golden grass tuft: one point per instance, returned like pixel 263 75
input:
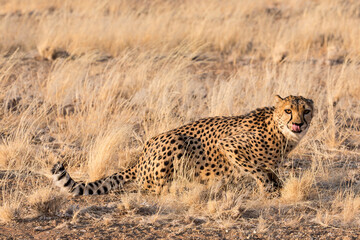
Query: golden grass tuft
pixel 297 189
pixel 103 154
pixel 212 206
pixel 8 213
pixel 262 225
pixel 46 201
pixel 351 208
pixel 128 202
pixel 14 154
pixel 346 207
pixel 343 210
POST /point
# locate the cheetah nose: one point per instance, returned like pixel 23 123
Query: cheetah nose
pixel 296 127
pixel 298 124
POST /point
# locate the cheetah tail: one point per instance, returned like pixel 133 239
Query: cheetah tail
pixel 63 180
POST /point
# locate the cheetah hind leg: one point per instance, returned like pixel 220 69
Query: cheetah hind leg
pixel 63 180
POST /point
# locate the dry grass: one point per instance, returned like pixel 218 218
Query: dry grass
pixel 102 156
pixel 343 211
pixel 7 213
pixel 351 208
pixel 45 201
pixel 297 188
pixel 139 68
pixel 261 28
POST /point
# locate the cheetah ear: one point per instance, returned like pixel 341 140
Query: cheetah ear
pixel 311 102
pixel 278 99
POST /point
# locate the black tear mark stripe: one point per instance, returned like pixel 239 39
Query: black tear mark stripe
pixel 304 119
pixel 290 119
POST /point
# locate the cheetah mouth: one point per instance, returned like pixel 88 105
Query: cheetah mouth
pixel 295 128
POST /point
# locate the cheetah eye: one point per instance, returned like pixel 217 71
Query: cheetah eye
pixel 306 111
pixel 288 111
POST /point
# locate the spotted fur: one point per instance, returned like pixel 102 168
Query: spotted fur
pixel 213 148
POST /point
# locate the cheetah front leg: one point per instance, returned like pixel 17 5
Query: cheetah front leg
pixel 269 181
pixel 238 151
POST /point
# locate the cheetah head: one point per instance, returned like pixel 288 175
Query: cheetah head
pixel 293 115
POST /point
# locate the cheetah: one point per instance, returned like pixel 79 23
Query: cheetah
pixel 214 148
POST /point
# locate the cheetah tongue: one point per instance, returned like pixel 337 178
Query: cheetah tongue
pixel 295 128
